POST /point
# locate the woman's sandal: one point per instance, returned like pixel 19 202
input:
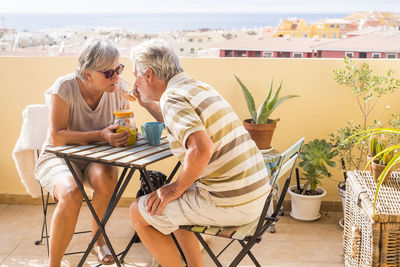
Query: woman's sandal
pixel 101 252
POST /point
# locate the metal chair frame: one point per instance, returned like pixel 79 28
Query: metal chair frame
pixel 286 164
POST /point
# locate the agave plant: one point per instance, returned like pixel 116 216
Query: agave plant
pixel 390 154
pixel 270 103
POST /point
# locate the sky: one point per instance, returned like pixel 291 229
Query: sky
pixel 196 6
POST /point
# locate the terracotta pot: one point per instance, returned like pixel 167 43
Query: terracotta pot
pixel 377 169
pixel 369 157
pixel 260 133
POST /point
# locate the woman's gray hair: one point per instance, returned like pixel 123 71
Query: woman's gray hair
pixel 159 56
pixel 97 54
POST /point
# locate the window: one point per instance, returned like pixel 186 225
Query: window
pixel 268 54
pixel 286 54
pixel 258 53
pixel 391 56
pixel 349 54
pixel 181 49
pixel 324 35
pixel 332 25
pixel 241 53
pixel 191 50
pixel 305 35
pixel 228 53
pixel 191 40
pixel 341 26
pixel 199 40
pixel 334 35
pixel 376 55
pixel 297 55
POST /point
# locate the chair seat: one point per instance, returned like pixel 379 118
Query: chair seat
pixel 234 232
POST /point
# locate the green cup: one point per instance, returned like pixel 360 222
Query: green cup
pixel 152 131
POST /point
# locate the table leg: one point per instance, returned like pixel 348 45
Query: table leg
pixel 111 206
pixel 144 172
pixel 173 172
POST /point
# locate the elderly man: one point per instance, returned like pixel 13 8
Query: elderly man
pixel 223 180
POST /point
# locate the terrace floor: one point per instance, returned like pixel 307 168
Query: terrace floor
pixel 294 244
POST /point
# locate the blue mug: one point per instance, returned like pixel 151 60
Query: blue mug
pixel 152 131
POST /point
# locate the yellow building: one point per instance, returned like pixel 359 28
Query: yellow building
pixel 293 27
pixel 332 28
pixel 327 28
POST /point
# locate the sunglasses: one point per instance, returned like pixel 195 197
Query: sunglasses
pixel 109 73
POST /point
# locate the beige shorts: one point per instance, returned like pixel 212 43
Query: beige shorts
pixel 53 169
pixel 195 207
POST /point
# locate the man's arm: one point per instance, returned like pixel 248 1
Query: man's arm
pixel 152 107
pixel 200 149
pixel 155 110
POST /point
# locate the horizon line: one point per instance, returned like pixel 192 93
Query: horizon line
pixel 198 12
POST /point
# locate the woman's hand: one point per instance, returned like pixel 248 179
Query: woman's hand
pixel 157 200
pixel 115 139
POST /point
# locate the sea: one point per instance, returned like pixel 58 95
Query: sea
pixel 151 22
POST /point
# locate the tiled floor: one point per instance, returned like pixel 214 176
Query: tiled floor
pixel 294 244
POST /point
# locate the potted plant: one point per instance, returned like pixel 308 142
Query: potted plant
pixel 367 89
pixel 260 126
pixel 306 199
pixel 386 156
pixel 378 159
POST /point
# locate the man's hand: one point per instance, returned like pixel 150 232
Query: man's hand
pixel 135 92
pixel 157 200
pixel 151 106
pixel 115 139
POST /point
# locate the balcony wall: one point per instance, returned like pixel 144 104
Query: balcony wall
pixel 322 108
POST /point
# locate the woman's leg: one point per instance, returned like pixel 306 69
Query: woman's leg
pixel 64 218
pixel 102 179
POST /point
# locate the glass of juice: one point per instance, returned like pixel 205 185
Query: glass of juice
pixel 126 122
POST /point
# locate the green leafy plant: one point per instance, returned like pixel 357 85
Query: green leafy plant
pixel 315 157
pixel 387 155
pixel 270 103
pixel 368 89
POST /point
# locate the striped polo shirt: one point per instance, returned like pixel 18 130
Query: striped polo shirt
pixel 236 172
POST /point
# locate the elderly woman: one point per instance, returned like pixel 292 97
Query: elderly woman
pixel 81 105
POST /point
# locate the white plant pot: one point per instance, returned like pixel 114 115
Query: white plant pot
pixel 306 208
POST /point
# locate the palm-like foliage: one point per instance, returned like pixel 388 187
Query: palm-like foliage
pixel 316 156
pixel 388 151
pixel 270 103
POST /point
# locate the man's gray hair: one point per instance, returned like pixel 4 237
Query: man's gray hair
pixel 97 54
pixel 159 56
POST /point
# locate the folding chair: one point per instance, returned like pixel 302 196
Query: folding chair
pixel 26 152
pixel 250 234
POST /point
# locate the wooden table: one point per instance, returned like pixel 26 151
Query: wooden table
pixel 130 158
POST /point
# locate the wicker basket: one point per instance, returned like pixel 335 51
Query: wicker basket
pixel 371 240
